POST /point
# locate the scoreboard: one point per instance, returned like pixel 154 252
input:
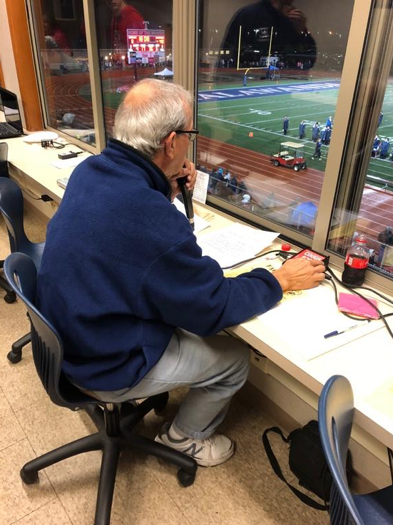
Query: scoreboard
pixel 145 46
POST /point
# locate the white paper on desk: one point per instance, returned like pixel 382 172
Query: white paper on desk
pixel 67 163
pixel 199 223
pixel 299 323
pixel 200 189
pixel 234 244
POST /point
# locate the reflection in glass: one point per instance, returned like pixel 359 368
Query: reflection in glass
pixel 268 79
pixel 135 42
pixel 61 42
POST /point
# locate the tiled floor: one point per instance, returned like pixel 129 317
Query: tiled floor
pixel 242 491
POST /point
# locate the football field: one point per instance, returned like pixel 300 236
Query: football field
pixel 252 117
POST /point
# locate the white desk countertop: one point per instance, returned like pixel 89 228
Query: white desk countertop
pixel 367 362
pixel 32 163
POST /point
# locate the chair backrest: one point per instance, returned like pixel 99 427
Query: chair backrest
pixel 335 416
pixel 11 207
pixel 47 346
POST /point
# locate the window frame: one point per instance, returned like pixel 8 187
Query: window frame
pixel 372 73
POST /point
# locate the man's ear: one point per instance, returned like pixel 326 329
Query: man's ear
pixel 169 145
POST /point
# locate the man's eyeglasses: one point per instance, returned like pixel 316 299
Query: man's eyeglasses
pixel 192 135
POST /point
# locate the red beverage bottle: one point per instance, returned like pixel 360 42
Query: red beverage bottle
pixel 356 262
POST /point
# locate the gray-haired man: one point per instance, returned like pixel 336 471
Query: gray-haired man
pixel 124 281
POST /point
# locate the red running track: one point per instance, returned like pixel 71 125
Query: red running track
pixel 263 180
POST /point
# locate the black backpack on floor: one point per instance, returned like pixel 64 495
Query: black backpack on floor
pixel 306 461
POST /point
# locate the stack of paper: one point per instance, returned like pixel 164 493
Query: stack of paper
pixel 199 193
pixel 234 244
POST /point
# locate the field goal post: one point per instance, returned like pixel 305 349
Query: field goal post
pixel 247 69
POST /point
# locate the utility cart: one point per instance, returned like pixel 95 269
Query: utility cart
pixel 290 155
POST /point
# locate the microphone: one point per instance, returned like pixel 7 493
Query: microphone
pixel 187 200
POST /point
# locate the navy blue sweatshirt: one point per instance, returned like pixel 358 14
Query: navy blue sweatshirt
pixel 121 270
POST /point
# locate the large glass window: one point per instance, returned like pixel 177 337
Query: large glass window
pixel 268 80
pixel 368 208
pixel 135 42
pixel 61 43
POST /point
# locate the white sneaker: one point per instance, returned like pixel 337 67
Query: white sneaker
pixel 209 452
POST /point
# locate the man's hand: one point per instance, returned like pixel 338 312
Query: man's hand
pixel 188 170
pixel 297 18
pixel 300 274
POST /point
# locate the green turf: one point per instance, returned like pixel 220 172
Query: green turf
pixel 235 80
pixel 112 99
pixel 232 121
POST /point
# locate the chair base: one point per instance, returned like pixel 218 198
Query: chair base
pixel 111 446
pixel 15 355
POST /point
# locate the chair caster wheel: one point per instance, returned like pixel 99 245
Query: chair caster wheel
pixel 10 297
pixel 14 357
pixel 161 402
pixel 28 477
pixel 185 478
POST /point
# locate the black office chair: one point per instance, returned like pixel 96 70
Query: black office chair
pixel 10 296
pixel 115 430
pixel 335 416
pixel 11 208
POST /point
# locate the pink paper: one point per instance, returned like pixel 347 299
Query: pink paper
pixel 353 304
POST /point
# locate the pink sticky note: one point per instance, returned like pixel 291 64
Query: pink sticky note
pixel 353 304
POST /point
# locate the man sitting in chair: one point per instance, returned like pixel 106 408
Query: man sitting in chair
pixel 125 283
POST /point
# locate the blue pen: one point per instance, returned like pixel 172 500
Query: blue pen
pixel 336 332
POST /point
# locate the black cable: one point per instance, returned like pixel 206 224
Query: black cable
pixel 59 145
pixel 72 144
pixel 332 279
pixel 278 252
pixel 390 455
pixel 336 298
pixel 31 195
pixel 377 293
pixel 381 315
pixel 352 289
